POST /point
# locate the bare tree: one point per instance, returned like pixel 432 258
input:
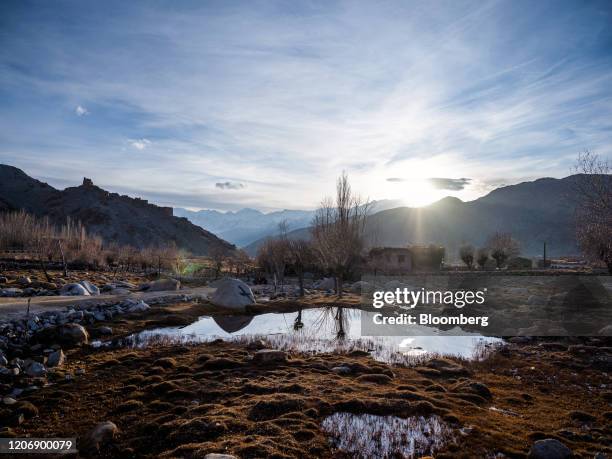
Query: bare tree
pixel 272 257
pixel 338 231
pixel 466 253
pixel 502 247
pixel 593 194
pixel 217 254
pixel 301 255
pixel 482 256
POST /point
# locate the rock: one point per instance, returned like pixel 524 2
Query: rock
pixel 74 290
pixel 161 285
pixel 327 283
pixel 11 292
pixel 105 330
pixel 549 449
pixel 219 456
pixel 606 331
pixel 100 434
pixel 73 334
pixel 256 345
pixel 27 409
pixel 139 307
pixel 24 280
pixel 91 288
pixel 56 359
pixel 3 361
pixel 361 286
pixel 233 293
pixel 9 401
pixel 3 280
pixel 35 370
pixel 80 371
pixel 269 355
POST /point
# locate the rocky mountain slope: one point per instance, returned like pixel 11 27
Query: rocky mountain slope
pixel 533 212
pixel 114 217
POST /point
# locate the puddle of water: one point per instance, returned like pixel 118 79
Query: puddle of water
pixel 321 330
pixel 370 436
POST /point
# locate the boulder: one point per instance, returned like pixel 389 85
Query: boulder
pixel 35 369
pixel 56 359
pixel 361 286
pixel 105 330
pixel 549 448
pixel 24 280
pixel 103 432
pixel 91 288
pixel 327 283
pixel 73 334
pixel 161 285
pixel 233 293
pixel 74 290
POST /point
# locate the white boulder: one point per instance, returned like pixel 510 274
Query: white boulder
pixel 74 290
pixel 233 294
pixel 91 288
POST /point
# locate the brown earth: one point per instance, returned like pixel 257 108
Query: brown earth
pixel 187 401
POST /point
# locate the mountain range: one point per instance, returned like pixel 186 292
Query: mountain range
pixel 114 217
pixel 247 225
pixel 533 212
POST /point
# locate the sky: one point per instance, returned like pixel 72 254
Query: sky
pixel 262 104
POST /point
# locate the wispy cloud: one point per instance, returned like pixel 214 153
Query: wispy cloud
pixel 442 183
pixel 140 144
pixel 229 185
pixel 81 111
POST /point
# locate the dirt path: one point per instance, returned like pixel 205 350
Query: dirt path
pixel 11 307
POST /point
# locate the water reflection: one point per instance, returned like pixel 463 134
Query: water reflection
pixel 321 330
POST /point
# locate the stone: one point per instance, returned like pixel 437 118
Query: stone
pixel 549 448
pixel 269 356
pixel 11 292
pixel 361 286
pixel 56 359
pixel 74 290
pixel 73 334
pixel 24 280
pixel 91 288
pixel 161 285
pixel 606 331
pixel 105 330
pixel 139 307
pixel 219 456
pixel 233 293
pixel 9 401
pixel 327 283
pixel 103 432
pixel 35 370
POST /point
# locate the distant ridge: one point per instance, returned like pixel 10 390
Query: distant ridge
pixel 116 218
pixel 533 212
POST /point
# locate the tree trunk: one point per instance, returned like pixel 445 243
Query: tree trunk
pixel 301 282
pixel 44 270
pixel 339 286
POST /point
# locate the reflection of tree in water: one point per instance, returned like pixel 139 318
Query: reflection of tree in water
pixel 298 324
pixel 334 319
